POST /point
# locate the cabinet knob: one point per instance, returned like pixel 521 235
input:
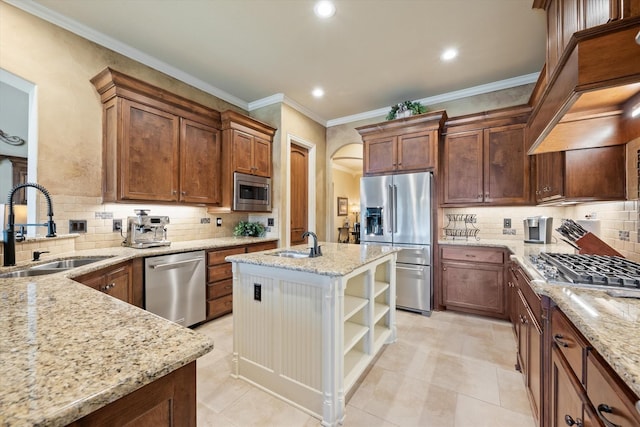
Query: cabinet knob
pixel 558 340
pixel 568 419
pixel 174 192
pixel 184 193
pixel 479 196
pixel 603 407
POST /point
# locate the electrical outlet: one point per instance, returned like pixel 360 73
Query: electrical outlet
pixel 117 225
pixel 77 226
pixel 271 222
pixel 506 223
pixel 510 231
pixel 205 220
pixel 219 222
pixel 257 292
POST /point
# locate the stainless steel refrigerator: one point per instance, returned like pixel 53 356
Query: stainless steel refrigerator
pixel 396 210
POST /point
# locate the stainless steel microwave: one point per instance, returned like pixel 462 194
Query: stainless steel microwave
pixel 251 193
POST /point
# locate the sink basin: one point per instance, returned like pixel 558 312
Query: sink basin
pixel 67 264
pixel 52 267
pixel 291 254
pixel 30 272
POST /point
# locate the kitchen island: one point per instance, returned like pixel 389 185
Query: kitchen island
pixel 306 329
pixel 69 353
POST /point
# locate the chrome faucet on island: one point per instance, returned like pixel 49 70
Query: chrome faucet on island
pixel 9 234
pixel 316 250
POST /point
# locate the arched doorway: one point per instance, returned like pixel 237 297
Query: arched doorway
pixel 346 171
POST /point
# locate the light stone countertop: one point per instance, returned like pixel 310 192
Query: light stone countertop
pixel 338 259
pixel 67 350
pixel 610 324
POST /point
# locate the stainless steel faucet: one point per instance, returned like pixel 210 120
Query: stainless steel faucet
pixel 9 235
pixel 316 250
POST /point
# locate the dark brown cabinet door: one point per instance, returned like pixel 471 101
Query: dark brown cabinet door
pixel 596 173
pixel 416 151
pixel 118 283
pixel 242 150
pixel 549 176
pixel 463 171
pixel 261 157
pixel 149 153
pixel 299 193
pixel 566 402
pixel 380 155
pixel 506 166
pixel 199 163
pixel 476 288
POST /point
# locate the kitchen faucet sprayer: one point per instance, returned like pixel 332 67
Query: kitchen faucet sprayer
pixel 9 236
pixel 316 250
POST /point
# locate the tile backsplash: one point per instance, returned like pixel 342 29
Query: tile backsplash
pixel 185 224
pixel 618 222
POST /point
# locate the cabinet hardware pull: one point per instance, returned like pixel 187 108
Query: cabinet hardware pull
pixel 603 407
pixel 470 256
pixel 570 421
pixel 479 196
pixel 558 339
pixel 184 193
pixel 174 192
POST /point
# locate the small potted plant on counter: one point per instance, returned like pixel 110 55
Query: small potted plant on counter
pixel 251 229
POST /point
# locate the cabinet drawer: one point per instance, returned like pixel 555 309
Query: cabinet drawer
pixel 262 246
pixel 473 254
pixel 219 289
pixel 218 256
pixel 610 400
pixel 219 306
pixel 569 342
pixel 219 272
pixel 532 299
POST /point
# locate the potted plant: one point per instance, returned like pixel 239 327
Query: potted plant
pixel 406 109
pixel 246 228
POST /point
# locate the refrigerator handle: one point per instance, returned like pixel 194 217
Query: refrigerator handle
pixel 391 209
pixel 395 208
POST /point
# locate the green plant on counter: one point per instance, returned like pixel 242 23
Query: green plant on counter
pixel 414 107
pixel 246 228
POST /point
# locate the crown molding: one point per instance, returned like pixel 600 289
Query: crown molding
pixel 90 34
pixel 445 97
pixel 281 98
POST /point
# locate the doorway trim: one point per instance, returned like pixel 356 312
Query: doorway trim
pixel 311 198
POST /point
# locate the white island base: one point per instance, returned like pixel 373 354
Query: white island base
pixel 306 336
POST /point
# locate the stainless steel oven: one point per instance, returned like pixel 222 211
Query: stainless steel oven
pixel 251 193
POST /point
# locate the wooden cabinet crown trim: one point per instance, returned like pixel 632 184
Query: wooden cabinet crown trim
pixel 493 118
pixel 111 83
pixel 234 120
pixel 430 120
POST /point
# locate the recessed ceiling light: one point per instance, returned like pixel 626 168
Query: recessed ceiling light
pixel 324 9
pixel 317 92
pixel 449 54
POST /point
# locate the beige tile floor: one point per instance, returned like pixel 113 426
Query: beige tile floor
pixel 448 369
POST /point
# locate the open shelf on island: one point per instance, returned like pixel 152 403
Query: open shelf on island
pixel 379 287
pixel 354 363
pixel 353 332
pixel 352 305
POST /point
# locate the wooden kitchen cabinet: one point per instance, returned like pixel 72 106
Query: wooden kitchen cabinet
pixel 220 277
pixel 472 280
pixel 170 401
pixel 116 281
pixel 246 148
pixel 550 176
pixel 157 146
pixel 571 175
pixel 597 394
pixel 485 160
pixel 402 145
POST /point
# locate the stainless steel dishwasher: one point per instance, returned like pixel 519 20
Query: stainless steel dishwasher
pixel 175 287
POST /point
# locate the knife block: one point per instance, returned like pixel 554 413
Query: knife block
pixel 590 244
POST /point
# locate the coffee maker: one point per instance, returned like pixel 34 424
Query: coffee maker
pixel 537 229
pixel 146 231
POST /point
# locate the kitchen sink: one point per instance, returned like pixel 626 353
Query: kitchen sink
pixel 291 254
pixel 28 272
pixel 66 264
pixel 52 267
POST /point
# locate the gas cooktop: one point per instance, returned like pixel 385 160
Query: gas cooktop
pixel 590 270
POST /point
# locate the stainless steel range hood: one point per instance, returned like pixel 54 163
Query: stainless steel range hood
pixel 588 99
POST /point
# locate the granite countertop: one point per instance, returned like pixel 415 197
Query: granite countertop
pixel 67 350
pixel 610 324
pixel 338 259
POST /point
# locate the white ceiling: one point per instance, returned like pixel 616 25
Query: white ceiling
pixel 370 55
